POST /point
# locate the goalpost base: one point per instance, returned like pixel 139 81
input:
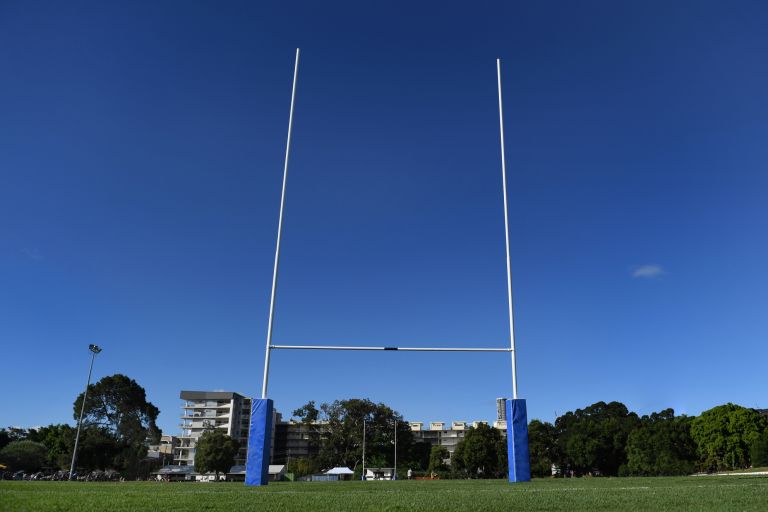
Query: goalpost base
pixel 259 442
pixel 517 441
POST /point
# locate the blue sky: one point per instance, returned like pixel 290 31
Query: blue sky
pixel 141 155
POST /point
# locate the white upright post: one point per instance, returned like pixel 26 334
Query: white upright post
pixel 279 234
pixel 506 237
pixel 363 449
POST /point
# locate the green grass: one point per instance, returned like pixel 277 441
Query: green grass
pixel 592 494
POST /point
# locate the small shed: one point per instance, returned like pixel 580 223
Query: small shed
pixel 344 473
pixel 379 473
pixel 276 472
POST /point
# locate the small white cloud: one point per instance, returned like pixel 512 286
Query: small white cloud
pixel 32 253
pixel 647 271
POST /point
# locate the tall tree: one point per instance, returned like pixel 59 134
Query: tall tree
pixel 594 438
pixel 341 433
pixel 437 457
pixel 542 445
pixel 482 453
pixel 724 435
pixel 119 404
pixel 661 446
pixel 215 452
pixel 117 408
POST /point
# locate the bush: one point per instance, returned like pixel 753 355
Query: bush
pixel 24 455
pixel 759 451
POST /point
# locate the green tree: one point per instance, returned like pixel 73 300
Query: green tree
pixel 759 450
pixel 59 440
pixel 215 452
pixel 594 438
pixel 437 457
pixel 482 453
pixel 724 435
pixel 117 408
pixel 119 404
pixel 24 455
pixel 11 434
pixel 301 467
pixel 661 446
pixel 542 444
pixel 341 433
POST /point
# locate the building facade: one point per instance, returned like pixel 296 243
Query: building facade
pixel 208 410
pixel 450 435
pixel 230 412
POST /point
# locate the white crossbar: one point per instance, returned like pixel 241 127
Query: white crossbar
pixel 405 349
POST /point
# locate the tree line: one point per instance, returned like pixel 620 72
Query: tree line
pixel 602 439
pixel 118 426
pixel 608 439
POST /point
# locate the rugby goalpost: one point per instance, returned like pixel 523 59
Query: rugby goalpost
pixel 259 440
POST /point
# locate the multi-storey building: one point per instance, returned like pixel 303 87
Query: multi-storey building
pixel 208 410
pixel 439 434
pixel 230 412
pixel 501 409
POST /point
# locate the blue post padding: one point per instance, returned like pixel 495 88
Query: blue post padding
pixel 517 441
pixel 259 442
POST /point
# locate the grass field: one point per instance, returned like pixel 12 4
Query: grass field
pixel 682 493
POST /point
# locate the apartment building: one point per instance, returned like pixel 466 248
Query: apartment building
pixel 450 435
pixel 230 412
pixel 208 410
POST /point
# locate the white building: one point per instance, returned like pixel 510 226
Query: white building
pixel 449 437
pixel 207 410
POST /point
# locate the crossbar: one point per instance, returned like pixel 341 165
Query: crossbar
pixel 405 349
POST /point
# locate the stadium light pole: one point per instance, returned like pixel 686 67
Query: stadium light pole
pixel 95 349
pixel 394 475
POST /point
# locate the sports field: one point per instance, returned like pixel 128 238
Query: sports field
pixel 679 493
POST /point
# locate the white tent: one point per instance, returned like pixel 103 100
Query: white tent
pixel 340 471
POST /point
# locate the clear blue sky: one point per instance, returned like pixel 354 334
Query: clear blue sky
pixel 141 152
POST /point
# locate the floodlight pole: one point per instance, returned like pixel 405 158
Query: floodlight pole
pixel 394 475
pixel 279 234
pixel 506 237
pixel 95 349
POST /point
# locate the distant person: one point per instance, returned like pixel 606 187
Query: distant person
pixel 410 474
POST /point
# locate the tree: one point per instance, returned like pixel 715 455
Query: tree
pixel 301 466
pixel 437 457
pixel 119 404
pixel 594 438
pixel 24 455
pixel 482 453
pixel 117 408
pixel 340 433
pixel 215 452
pixel 759 451
pixel 542 444
pixel 724 435
pixel 59 441
pixel 661 446
pixel 11 434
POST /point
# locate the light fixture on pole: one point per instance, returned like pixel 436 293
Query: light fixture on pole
pixel 95 349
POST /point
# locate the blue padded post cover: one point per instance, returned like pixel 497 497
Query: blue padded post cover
pixel 517 441
pixel 259 442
